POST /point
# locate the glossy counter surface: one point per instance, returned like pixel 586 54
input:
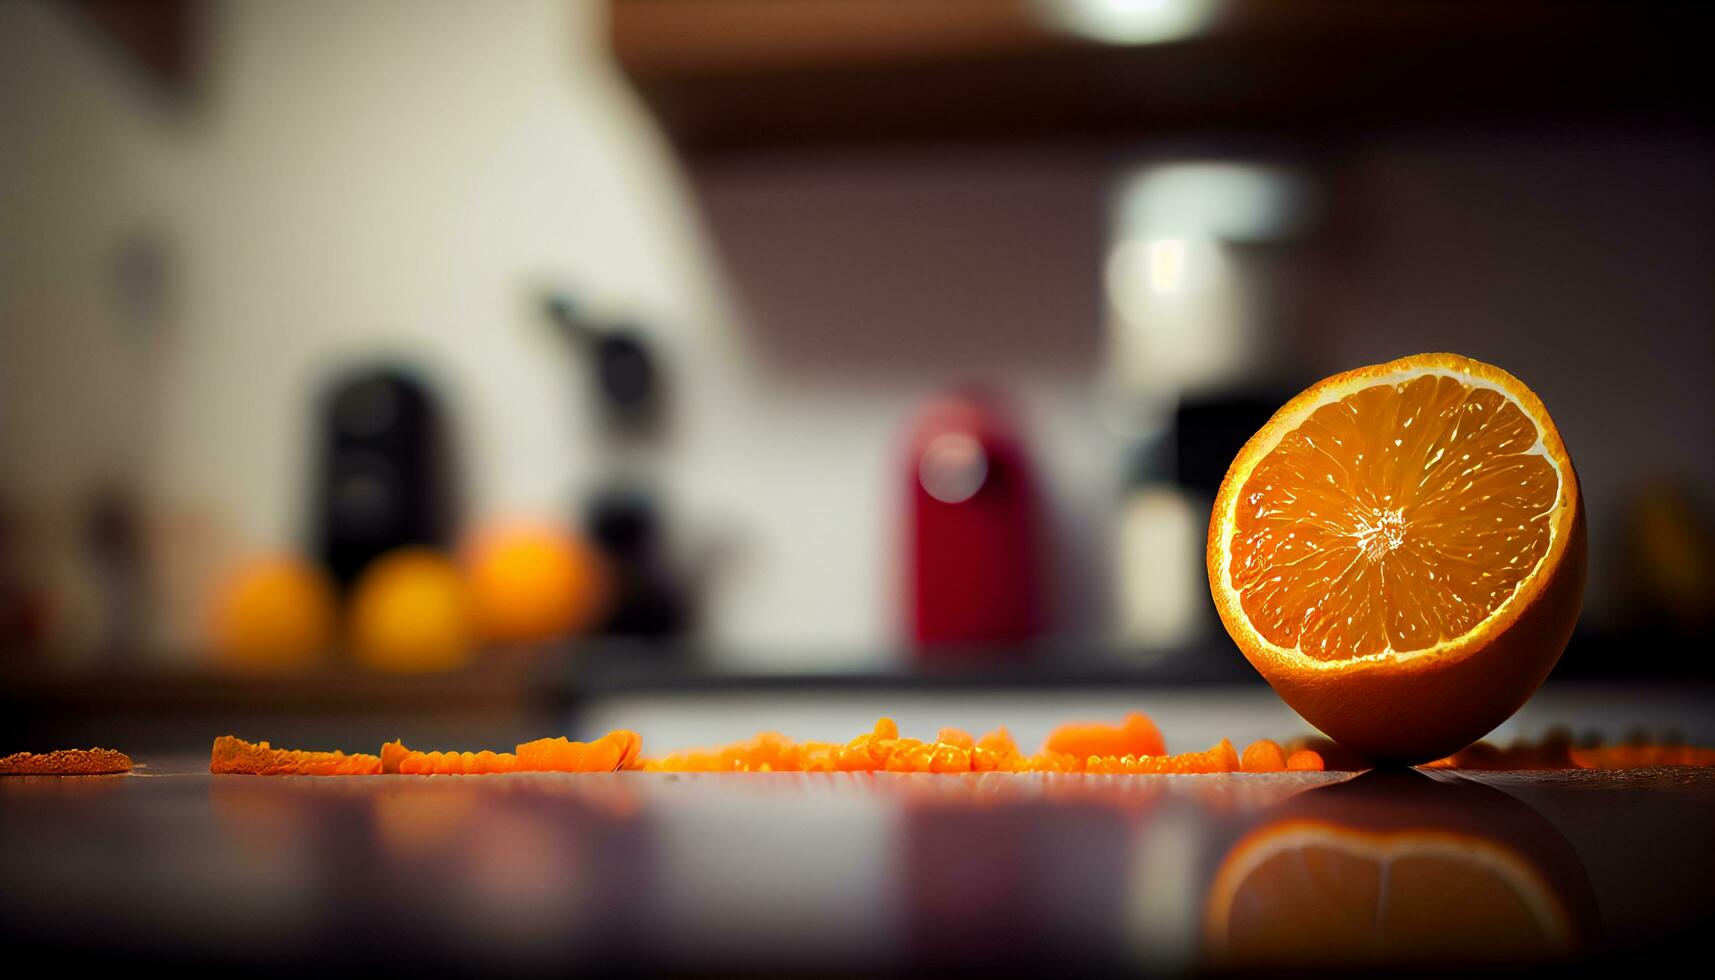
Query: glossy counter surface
pixel 842 873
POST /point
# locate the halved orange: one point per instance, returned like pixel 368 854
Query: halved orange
pixel 1400 552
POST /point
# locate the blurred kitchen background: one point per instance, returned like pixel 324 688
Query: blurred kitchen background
pixel 451 369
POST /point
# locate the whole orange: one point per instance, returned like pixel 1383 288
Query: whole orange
pixel 409 613
pixel 274 612
pixel 529 582
pixel 1401 553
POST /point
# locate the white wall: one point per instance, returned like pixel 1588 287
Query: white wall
pixel 379 176
pixel 392 176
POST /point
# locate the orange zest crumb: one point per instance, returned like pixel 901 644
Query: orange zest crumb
pixel 1136 735
pixel 66 762
pixel 1263 756
pixel 1641 756
pixel 953 751
pixel 235 756
pixel 1556 750
pixel 615 750
pixel 396 758
pixel 1116 751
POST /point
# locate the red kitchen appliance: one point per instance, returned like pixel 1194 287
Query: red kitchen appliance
pixel 973 567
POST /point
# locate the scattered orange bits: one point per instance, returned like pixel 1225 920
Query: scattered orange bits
pixel 1137 735
pixel 66 762
pixel 1556 750
pixel 996 752
pixel 879 750
pixel 1263 756
pixel 616 750
pixel 1333 756
pixel 953 751
pixel 396 758
pixel 1641 756
pixel 235 756
pixel 882 749
pixel 1267 756
pixel 1220 758
pixel 954 736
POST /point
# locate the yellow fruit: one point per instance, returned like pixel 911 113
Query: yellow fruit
pixel 1400 551
pixel 409 613
pixel 532 582
pixel 275 612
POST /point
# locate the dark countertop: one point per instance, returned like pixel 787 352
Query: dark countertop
pixel 850 872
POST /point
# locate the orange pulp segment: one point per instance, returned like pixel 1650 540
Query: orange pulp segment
pixel 1392 519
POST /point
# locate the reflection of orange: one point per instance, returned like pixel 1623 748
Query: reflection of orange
pixel 1400 551
pixel 416 820
pixel 408 613
pixel 273 613
pixel 529 583
pixel 1317 893
pixel 1395 867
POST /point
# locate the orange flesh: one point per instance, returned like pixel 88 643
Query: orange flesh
pixel 1396 518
